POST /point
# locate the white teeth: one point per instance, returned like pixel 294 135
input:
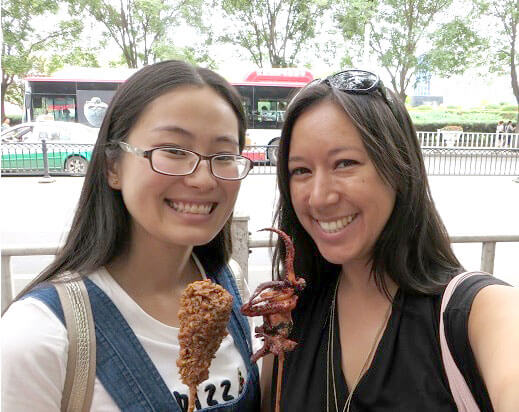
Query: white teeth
pixel 335 226
pixel 196 209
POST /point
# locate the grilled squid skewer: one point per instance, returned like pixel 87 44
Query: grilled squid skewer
pixel 275 301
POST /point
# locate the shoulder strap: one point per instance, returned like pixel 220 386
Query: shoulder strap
pixel 460 391
pixel 70 303
pixel 81 363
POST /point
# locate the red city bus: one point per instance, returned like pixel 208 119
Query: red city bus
pixel 84 94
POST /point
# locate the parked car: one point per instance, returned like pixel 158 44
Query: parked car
pixel 69 147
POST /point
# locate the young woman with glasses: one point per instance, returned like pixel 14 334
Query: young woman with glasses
pixel 376 258
pixel 154 215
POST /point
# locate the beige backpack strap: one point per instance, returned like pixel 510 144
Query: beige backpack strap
pixel 81 363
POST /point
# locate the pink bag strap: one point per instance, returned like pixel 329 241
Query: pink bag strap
pixel 459 389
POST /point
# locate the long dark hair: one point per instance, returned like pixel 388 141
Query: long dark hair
pixel 100 230
pixel 413 248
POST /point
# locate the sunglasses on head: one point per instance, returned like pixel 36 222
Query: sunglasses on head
pixel 356 81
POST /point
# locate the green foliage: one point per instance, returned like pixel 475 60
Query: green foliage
pixel 508 108
pixel 483 119
pixel 77 57
pixel 24 42
pixel 503 53
pixel 455 47
pixel 195 55
pixel 138 27
pixel 14 94
pixel 399 28
pixel 272 31
pixel 505 31
pixel 15 119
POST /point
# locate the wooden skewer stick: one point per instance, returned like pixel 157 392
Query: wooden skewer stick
pixel 192 398
pixel 281 361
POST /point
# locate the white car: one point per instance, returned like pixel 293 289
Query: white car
pixel 69 147
pixel 51 131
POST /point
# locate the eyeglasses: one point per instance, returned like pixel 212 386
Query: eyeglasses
pixel 174 161
pixel 356 81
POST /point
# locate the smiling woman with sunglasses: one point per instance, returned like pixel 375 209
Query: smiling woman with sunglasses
pixel 154 215
pixel 377 259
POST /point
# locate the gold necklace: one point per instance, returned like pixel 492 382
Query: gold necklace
pixel 330 351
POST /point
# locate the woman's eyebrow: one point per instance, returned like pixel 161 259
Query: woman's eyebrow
pixel 344 149
pixel 331 152
pixel 174 129
pixel 181 131
pixel 227 139
pixel 296 159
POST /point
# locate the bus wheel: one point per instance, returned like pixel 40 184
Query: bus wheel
pixel 272 151
pixel 76 165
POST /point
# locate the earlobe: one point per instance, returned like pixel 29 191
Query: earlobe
pixel 113 179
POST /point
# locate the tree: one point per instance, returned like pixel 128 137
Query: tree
pixel 504 51
pixel 138 27
pixel 455 47
pixel 401 29
pixel 23 43
pixel 272 31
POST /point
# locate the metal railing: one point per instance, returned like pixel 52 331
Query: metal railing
pixel 444 138
pixel 443 161
pixel 45 158
pixel 473 154
pixel 439 161
pixel 488 251
pixel 242 243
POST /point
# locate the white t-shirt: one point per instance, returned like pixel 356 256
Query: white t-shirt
pixel 35 345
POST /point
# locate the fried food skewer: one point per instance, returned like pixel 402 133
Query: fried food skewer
pixel 204 313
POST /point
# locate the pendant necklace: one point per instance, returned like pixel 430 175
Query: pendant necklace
pixel 330 368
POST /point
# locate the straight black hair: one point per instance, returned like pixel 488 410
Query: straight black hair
pixel 414 248
pixel 100 228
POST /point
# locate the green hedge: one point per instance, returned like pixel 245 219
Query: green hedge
pixel 15 119
pixel 482 119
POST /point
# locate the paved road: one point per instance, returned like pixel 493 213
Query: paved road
pixel 40 214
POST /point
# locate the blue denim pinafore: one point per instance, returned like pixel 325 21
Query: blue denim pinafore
pixel 125 369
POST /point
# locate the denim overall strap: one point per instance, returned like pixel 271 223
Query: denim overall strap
pixel 123 366
pixel 240 331
pixel 47 293
pixel 128 379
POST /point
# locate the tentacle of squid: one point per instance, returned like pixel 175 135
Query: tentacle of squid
pixel 289 255
pixel 276 284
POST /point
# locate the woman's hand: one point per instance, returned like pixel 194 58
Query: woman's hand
pixel 494 338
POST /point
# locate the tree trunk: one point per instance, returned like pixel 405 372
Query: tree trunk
pixel 5 84
pixel 513 73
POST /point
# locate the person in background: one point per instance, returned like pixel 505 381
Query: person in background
pixel 6 124
pixel 154 215
pixel 500 129
pixel 509 129
pixel 355 198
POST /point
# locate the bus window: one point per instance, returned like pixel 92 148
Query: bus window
pixel 267 113
pixel 247 98
pixel 62 108
pixel 271 104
